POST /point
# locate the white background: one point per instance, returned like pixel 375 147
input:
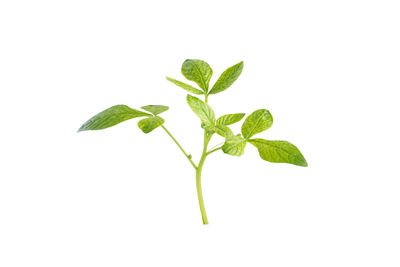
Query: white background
pixel 327 70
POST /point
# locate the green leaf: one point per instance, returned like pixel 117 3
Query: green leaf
pixel 279 152
pixel 185 86
pixel 227 78
pixel 155 109
pixel 210 129
pixel 202 110
pixel 223 130
pixel 230 118
pixel 257 122
pixel 149 124
pixel 198 71
pixel 111 117
pixel 234 145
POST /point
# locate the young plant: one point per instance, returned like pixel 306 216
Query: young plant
pixel 200 72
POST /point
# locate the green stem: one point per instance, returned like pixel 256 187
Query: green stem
pixel 198 173
pixel 198 178
pixel 212 151
pixel 189 157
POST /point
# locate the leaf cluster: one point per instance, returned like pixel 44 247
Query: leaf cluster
pixel 200 72
pixel 259 121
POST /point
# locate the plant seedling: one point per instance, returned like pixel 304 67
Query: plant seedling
pixel 200 72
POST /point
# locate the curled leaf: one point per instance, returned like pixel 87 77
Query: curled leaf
pixel 202 110
pixel 149 124
pixel 234 145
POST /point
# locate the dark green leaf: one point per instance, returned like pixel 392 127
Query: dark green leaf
pixel 198 71
pixel 155 109
pixel 234 145
pixel 279 151
pixel 185 86
pixel 202 110
pixel 230 118
pixel 149 124
pixel 227 78
pixel 111 117
pixel 257 122
pixel 223 130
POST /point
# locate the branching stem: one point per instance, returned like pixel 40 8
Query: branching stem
pixel 189 157
pixel 199 167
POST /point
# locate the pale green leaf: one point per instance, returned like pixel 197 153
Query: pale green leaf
pixel 202 110
pixel 279 152
pixel 223 130
pixel 230 118
pixel 234 145
pixel 149 124
pixel 155 109
pixel 198 71
pixel 227 78
pixel 257 122
pixel 185 86
pixel 111 117
pixel 210 129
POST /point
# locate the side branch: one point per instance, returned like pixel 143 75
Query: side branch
pixel 180 147
pixel 216 149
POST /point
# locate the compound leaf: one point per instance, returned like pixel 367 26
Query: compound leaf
pixel 155 109
pixel 230 118
pixel 234 145
pixel 111 117
pixel 202 110
pixel 149 124
pixel 227 78
pixel 198 71
pixel 279 152
pixel 185 86
pixel 257 122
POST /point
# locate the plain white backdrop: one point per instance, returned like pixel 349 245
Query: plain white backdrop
pixel 328 71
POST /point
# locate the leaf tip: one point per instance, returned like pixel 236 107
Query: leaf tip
pixel 81 129
pixel 303 163
pixel 240 66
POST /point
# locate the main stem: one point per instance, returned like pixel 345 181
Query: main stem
pixel 199 169
pixel 198 178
